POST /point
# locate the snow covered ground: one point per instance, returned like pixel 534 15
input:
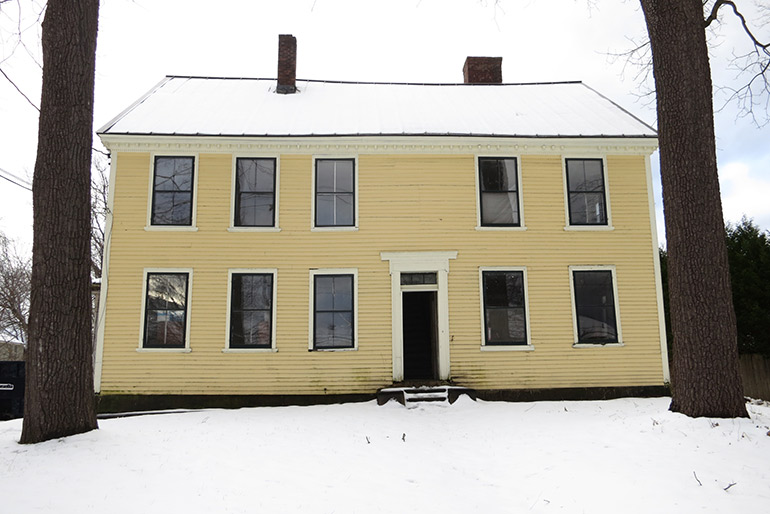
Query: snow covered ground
pixel 628 455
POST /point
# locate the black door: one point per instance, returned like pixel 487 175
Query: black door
pixel 419 322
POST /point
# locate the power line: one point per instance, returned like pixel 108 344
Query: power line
pixel 19 181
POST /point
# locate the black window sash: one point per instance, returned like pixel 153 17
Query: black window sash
pixel 487 308
pixel 239 194
pixel 337 194
pixel 172 192
pixel 515 191
pixel 317 311
pixel 583 193
pixel 234 311
pixel 582 309
pixel 148 310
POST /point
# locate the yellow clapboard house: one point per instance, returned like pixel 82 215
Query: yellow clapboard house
pixel 307 238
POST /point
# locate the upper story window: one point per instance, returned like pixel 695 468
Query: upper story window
pixel 165 310
pixel 333 311
pixel 172 191
pixel 499 190
pixel 595 306
pixel 586 192
pixel 335 202
pixel 255 180
pixel 505 310
pixel 251 310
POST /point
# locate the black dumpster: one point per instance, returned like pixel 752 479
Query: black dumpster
pixel 11 389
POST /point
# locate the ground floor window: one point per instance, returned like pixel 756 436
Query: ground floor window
pixel 251 310
pixel 165 313
pixel 505 312
pixel 333 311
pixel 595 306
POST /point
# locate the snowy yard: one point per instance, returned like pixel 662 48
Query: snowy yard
pixel 628 455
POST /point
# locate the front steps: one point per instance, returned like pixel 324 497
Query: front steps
pixel 412 396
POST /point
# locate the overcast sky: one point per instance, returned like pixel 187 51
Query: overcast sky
pixel 141 41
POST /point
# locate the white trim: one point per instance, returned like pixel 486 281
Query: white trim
pixel 188 309
pixel 658 278
pixel 508 348
pixel 311 322
pixel 519 195
pixel 605 175
pixel 384 144
pixel 233 177
pixel 354 227
pixel 228 314
pixel 612 270
pixel 505 347
pixel 100 315
pixel 192 227
pixel 416 262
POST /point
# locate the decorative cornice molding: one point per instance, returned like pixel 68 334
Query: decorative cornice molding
pixel 382 145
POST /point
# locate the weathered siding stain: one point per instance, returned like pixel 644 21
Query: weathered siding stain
pixel 406 203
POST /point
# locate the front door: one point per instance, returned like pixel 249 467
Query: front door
pixel 420 335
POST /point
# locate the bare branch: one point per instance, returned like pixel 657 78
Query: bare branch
pixel 19 90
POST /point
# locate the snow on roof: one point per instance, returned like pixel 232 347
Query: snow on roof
pixel 250 107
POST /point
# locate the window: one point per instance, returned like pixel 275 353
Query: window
pixel 335 193
pixel 418 279
pixel 172 191
pixel 165 313
pixel 595 310
pixel 586 192
pixel 505 315
pixel 333 312
pixel 254 192
pixel 499 190
pixel 251 310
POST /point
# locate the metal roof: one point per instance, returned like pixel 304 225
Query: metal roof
pixel 208 106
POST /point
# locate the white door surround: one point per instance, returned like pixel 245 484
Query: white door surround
pixel 420 262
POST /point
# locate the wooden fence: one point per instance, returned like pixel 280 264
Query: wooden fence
pixel 755 371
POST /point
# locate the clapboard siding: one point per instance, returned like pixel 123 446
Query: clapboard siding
pixel 406 203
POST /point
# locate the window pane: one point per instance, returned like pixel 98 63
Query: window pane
pixel 506 326
pixel 324 329
pixel 344 177
pixel 250 328
pixel 255 175
pixel 498 174
pixel 324 293
pixel 255 210
pixel 343 329
pixel 343 210
pixel 325 176
pixel 343 293
pixel 585 175
pixel 173 173
pixel 252 291
pixel 504 288
pixel 324 210
pixel 587 209
pixel 166 291
pixel 595 305
pixel 499 209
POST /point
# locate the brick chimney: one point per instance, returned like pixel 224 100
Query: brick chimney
pixel 483 70
pixel 287 64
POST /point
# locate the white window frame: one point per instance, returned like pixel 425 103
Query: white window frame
pixel 356 176
pixel 476 157
pixel 311 323
pixel 192 227
pixel 234 178
pixel 187 348
pixel 605 175
pixel 575 343
pixel 251 271
pixel 505 347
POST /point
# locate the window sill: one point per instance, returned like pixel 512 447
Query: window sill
pixel 253 229
pixel 508 348
pixel 164 350
pixel 249 350
pixel 597 345
pixel 583 228
pixel 334 229
pixel 482 228
pixel 170 228
pixel 332 349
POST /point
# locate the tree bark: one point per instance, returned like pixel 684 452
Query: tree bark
pixel 59 375
pixel 705 374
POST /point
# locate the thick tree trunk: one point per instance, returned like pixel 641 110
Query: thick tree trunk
pixel 59 389
pixel 705 378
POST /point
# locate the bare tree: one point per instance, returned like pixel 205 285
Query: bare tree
pixel 705 379
pixel 15 274
pixel 59 397
pixel 99 209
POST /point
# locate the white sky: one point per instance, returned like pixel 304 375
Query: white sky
pixel 141 41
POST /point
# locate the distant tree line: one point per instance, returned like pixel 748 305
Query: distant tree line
pixel 748 252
